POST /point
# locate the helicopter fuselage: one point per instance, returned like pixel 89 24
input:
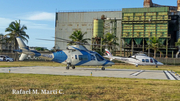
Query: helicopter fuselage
pixel 74 55
pixel 77 57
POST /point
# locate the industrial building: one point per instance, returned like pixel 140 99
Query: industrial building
pixel 67 22
pixel 133 26
pixel 6 46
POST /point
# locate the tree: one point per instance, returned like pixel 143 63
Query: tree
pixel 39 49
pixel 110 40
pixel 1 41
pixel 16 30
pixel 178 42
pixel 78 36
pixel 154 44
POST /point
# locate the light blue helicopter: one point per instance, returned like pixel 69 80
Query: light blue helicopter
pixel 74 55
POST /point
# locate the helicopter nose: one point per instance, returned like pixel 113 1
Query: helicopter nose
pixel 159 63
pixel 109 63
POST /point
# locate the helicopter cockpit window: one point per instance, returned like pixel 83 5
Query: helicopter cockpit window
pixel 151 60
pixel 75 56
pixel 155 61
pixel 92 57
pixel 147 60
pixel 83 57
pixel 99 58
pixel 84 47
pixel 143 60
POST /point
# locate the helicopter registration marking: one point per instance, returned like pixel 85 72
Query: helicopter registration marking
pixel 48 56
pixel 124 59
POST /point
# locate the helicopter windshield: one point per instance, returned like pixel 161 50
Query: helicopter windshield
pixel 92 57
pixel 84 47
pixel 99 58
pixel 155 60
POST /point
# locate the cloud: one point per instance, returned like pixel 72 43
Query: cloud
pixel 5 22
pixel 40 16
pixel 30 24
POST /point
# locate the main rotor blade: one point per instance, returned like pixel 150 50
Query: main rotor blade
pixel 100 45
pixel 49 40
pixel 69 41
pixel 72 42
pixel 62 39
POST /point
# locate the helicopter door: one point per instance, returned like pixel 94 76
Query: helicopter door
pixel 75 59
pixel 147 62
pixel 151 61
pixel 69 57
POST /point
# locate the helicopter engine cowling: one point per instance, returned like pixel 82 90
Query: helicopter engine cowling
pixel 80 47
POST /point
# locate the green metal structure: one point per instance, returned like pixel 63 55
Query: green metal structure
pixel 139 24
pixel 98 28
pixel 98 33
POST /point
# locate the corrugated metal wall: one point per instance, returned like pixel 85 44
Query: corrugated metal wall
pixel 144 23
pixel 67 22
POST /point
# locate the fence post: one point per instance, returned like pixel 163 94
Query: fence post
pixel 172 54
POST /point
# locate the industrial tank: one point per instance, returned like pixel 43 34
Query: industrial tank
pixel 98 28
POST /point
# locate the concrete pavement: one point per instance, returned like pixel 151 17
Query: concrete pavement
pixel 97 72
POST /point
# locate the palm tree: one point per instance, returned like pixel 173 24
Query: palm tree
pixel 154 44
pixel 178 42
pixel 16 30
pixel 1 41
pixel 110 40
pixel 78 36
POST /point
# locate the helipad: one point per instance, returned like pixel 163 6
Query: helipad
pixel 97 72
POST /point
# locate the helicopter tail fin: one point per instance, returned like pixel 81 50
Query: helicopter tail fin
pixel 109 55
pixel 108 52
pixel 25 51
pixel 21 43
pixel 23 47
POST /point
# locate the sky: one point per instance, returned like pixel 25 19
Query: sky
pixel 39 15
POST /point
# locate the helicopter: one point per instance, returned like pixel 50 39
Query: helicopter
pixel 137 59
pixel 75 55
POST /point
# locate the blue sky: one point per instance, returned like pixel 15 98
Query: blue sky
pixel 39 15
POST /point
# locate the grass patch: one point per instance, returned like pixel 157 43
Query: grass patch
pixel 87 88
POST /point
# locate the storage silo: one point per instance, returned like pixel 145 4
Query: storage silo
pixel 98 29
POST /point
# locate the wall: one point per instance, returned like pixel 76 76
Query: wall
pixel 67 22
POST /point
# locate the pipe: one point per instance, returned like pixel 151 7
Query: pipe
pixel 177 54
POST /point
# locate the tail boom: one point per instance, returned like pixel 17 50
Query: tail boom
pixel 25 51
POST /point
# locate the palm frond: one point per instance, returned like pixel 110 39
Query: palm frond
pixel 178 42
pixel 15 30
pixel 78 36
